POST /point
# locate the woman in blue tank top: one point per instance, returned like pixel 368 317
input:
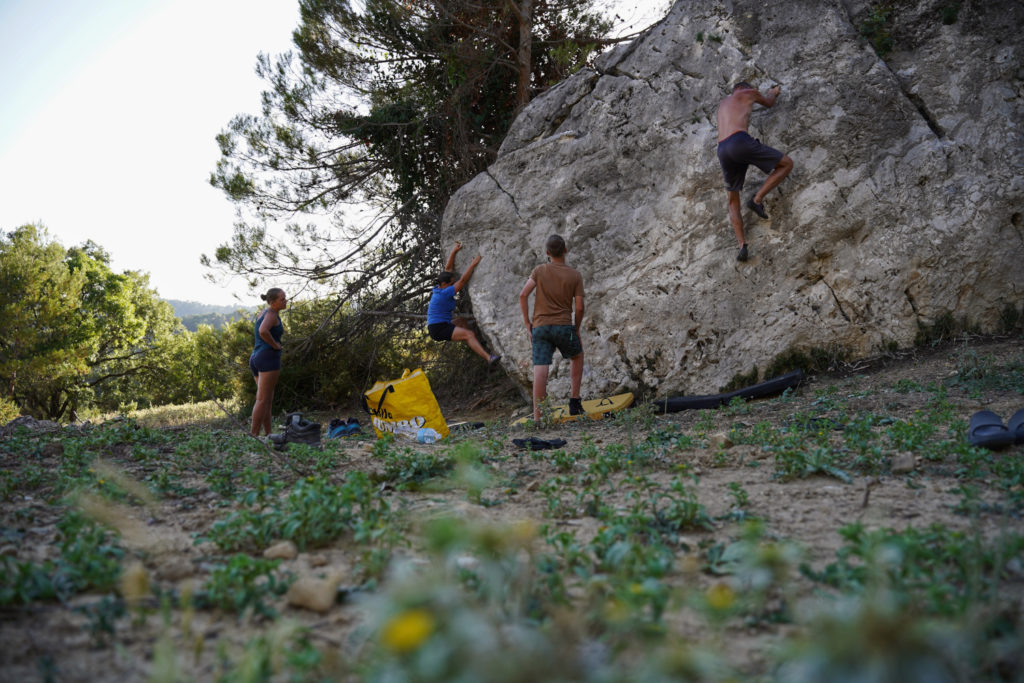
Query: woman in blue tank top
pixel 265 361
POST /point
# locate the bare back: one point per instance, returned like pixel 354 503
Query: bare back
pixel 734 110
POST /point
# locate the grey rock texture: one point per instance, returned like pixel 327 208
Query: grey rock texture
pixel 905 204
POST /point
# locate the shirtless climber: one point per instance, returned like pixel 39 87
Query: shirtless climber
pixel 737 150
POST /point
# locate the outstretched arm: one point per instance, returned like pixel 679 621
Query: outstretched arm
pixel 451 257
pixel 524 304
pixel 462 281
pixel 769 99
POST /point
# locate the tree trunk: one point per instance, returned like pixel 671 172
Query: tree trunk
pixel 524 58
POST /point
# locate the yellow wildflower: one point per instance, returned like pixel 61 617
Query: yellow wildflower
pixel 407 631
pixel 523 532
pixel 721 596
pixel 615 610
pixel 134 583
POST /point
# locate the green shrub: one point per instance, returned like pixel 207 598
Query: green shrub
pixel 934 571
pixel 1011 320
pixel 949 13
pixel 315 512
pixel 8 410
pixel 244 583
pixel 876 28
pixel 409 468
pixel 740 380
pixel 88 560
pixel 943 329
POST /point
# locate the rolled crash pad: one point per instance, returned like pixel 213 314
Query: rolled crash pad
pixel 771 387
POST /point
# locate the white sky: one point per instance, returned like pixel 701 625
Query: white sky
pixel 108 114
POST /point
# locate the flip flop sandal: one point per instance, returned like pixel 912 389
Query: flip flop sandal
pixel 1016 425
pixel 986 430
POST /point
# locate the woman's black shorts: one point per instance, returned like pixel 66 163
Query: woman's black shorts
pixel 264 360
pixel 441 331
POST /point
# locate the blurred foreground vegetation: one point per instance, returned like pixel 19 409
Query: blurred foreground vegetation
pixel 639 552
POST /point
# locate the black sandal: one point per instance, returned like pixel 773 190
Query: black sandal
pixel 986 430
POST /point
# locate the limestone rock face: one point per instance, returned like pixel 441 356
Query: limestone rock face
pixel 905 203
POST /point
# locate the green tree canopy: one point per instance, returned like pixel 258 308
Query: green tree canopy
pixel 71 325
pixel 391 104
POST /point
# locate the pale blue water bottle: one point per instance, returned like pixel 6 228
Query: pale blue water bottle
pixel 427 435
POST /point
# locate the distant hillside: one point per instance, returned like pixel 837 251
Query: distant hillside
pixel 187 308
pixel 214 320
pixel 193 314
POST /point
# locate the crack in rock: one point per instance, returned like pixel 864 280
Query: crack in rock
pixel 515 206
pixel 842 311
pixel 619 72
pixel 630 49
pixel 913 98
pixel 560 117
pixel 910 300
pixel 689 74
pixel 923 110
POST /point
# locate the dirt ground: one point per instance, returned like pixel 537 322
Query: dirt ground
pixel 52 641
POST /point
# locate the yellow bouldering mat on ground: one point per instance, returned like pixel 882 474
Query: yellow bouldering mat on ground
pixel 595 409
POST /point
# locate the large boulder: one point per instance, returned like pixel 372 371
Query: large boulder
pixel 904 208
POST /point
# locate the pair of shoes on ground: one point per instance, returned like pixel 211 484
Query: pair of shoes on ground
pixel 986 430
pixel 339 428
pixel 297 429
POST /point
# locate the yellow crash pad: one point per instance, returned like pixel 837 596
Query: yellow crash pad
pixel 595 409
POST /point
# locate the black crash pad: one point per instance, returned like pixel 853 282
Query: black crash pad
pixel 771 387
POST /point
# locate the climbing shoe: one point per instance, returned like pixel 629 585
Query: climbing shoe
pixel 575 406
pixel 742 256
pixel 756 208
pixel 339 428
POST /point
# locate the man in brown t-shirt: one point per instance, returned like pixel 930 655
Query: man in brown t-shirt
pixel 558 287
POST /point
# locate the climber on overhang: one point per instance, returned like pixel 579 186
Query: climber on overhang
pixel 737 150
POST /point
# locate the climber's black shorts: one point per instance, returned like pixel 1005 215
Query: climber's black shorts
pixel 440 331
pixel 738 151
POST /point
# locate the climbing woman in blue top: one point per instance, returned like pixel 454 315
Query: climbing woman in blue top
pixel 265 361
pixel 442 304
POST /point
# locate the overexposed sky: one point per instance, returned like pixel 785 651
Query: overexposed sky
pixel 108 114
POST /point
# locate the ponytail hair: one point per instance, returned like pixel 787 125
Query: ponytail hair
pixel 273 294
